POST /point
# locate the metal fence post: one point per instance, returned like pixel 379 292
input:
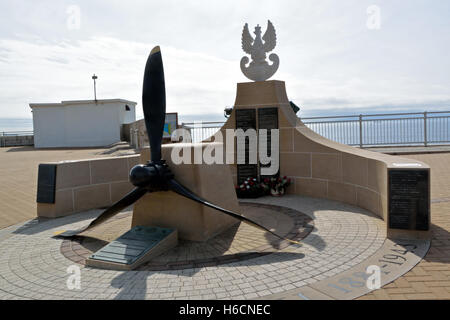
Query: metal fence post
pixel 360 131
pixel 425 138
pixel 136 137
pixel 131 136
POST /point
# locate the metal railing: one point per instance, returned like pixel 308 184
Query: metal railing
pixel 16 138
pixel 418 128
pixel 202 130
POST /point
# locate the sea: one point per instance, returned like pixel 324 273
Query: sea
pixel 10 125
pixel 26 124
pixel 375 130
pixel 15 124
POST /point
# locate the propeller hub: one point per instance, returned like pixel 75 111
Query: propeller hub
pixel 153 176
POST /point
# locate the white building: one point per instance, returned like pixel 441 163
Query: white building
pixel 82 123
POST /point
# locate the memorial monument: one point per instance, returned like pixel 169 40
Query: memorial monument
pixel 197 201
pixel 396 189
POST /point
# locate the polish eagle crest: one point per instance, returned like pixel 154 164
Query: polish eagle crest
pixel 259 69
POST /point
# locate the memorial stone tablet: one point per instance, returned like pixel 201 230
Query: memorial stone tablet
pixel 409 206
pixel 268 119
pixel 246 119
pixel 46 183
pixel 133 248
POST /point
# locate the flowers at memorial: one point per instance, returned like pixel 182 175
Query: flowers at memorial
pixel 251 188
pixel 276 186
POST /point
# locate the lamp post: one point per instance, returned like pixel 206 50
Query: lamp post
pixel 94 77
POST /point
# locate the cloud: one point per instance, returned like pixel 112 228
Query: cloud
pixel 329 59
pixel 46 72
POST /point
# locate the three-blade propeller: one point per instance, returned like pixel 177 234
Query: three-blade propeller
pixel 156 175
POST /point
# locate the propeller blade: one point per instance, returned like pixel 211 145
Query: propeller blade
pixel 154 101
pixel 183 191
pixel 126 201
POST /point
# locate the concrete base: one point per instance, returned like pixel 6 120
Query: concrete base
pixel 194 221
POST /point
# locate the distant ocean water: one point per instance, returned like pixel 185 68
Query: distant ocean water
pixel 21 124
pixel 381 131
pixel 8 125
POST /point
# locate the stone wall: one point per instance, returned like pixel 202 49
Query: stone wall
pixel 88 184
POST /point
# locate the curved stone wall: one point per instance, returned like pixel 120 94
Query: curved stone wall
pixel 318 166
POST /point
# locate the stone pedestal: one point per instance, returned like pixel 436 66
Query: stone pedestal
pixel 322 168
pixel 193 221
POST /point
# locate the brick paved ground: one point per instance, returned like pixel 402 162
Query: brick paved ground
pixel 33 267
pixel 430 279
pixel 18 176
pixel 238 243
pixel 32 272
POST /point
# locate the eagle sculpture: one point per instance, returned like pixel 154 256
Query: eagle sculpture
pixel 259 69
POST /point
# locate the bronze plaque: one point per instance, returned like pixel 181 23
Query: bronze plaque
pixel 46 183
pixel 409 204
pixel 268 119
pixel 246 119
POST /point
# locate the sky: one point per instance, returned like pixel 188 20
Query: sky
pixel 336 57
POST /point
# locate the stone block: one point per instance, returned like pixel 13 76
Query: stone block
pixel 327 166
pixel 63 206
pixel 92 196
pixel 108 170
pixel 193 221
pixel 295 164
pixel 70 174
pixel 311 187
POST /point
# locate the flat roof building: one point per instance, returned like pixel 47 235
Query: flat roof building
pixel 80 123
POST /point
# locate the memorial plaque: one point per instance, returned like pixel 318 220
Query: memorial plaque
pixel 46 183
pixel 133 244
pixel 268 119
pixel 409 206
pixel 133 248
pixel 246 119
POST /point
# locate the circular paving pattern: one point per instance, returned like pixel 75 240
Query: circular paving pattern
pixel 238 243
pixel 33 267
